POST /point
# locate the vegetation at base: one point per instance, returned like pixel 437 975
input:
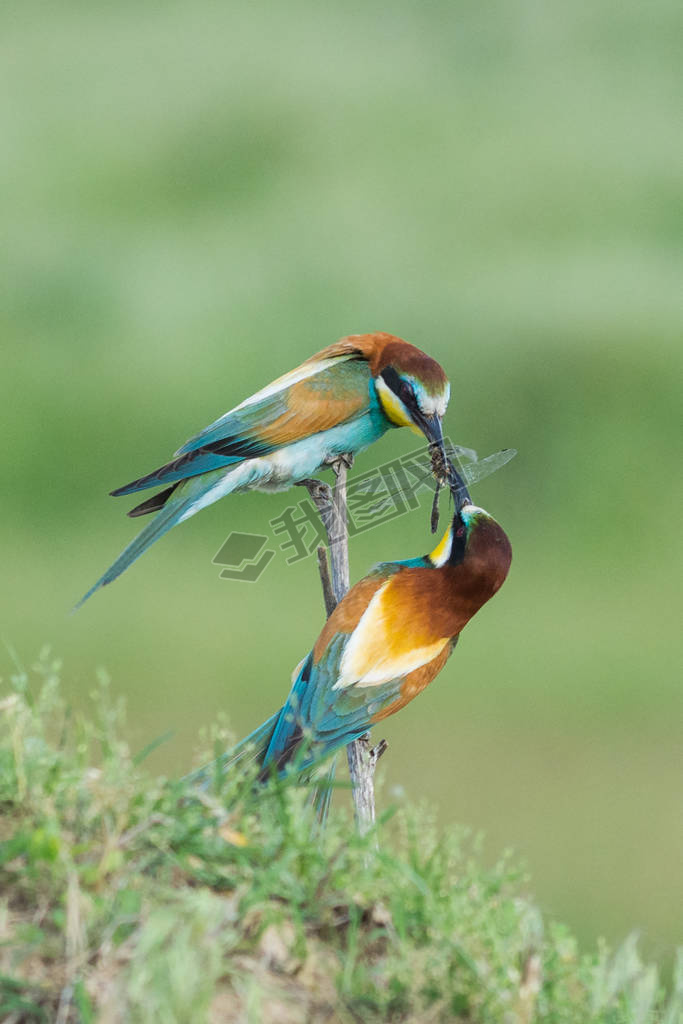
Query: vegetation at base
pixel 127 897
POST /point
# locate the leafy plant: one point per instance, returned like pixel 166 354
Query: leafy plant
pixel 139 898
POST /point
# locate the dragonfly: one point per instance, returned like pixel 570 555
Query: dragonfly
pixel 387 491
pixel 471 468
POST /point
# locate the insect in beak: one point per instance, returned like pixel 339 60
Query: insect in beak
pixel 446 473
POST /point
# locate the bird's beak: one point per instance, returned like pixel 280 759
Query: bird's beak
pixel 431 428
pixel 461 496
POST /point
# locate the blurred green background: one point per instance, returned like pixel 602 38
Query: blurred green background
pixel 195 198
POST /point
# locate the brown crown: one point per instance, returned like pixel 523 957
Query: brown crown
pixel 382 350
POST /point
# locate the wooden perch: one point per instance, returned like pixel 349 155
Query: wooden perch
pixel 334 576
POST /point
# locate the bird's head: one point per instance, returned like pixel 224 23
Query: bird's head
pixel 412 388
pixel 474 539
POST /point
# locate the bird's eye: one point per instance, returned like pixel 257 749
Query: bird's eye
pixel 406 391
pixel 460 532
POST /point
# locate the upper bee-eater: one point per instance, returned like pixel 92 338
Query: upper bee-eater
pixel 385 641
pixel 337 402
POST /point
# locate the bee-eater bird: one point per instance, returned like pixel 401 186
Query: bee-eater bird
pixel 382 645
pixel 338 402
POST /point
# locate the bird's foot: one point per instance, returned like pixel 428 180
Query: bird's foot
pixel 337 461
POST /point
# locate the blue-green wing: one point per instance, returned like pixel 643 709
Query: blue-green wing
pixel 321 716
pixel 301 400
pixel 315 396
pixel 240 426
pixel 317 719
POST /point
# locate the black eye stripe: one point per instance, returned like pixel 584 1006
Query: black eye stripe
pixel 391 378
pixel 401 388
pixel 458 545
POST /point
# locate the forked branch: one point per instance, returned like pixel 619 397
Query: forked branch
pixel 331 505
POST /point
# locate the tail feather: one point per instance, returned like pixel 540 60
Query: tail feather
pixel 217 455
pixel 251 750
pixel 183 468
pixel 152 504
pixel 321 794
pixel 161 524
pixel 255 750
pixel 193 496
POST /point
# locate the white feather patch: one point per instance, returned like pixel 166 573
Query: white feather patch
pixel 436 405
pixel 371 632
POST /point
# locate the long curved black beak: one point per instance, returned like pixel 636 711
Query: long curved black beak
pixel 461 496
pixel 432 429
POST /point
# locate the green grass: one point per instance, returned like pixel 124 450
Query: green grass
pixel 129 896
pixel 196 197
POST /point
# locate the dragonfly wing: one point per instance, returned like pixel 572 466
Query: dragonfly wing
pixel 457 451
pixel 478 470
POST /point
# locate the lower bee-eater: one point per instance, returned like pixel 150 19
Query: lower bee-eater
pixel 382 645
pixel 338 402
